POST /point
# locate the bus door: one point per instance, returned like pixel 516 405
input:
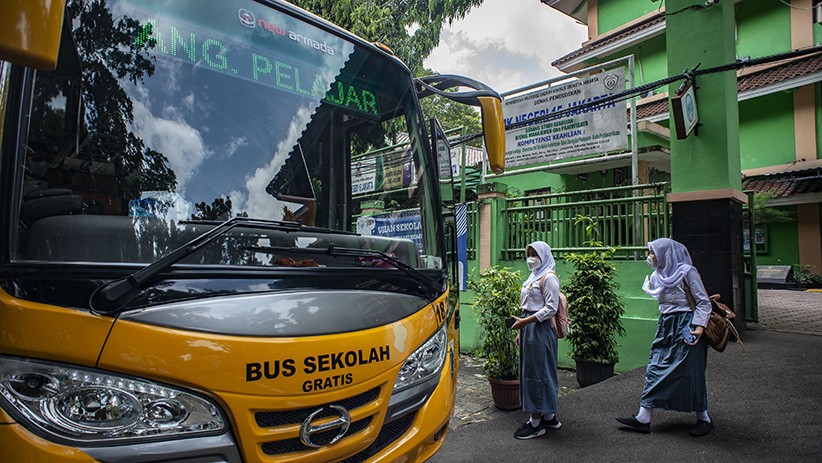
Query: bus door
pixel 445 168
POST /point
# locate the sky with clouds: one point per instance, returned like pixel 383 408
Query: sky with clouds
pixel 507 44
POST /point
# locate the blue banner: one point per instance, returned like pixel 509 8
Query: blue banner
pixel 406 225
pixel 462 244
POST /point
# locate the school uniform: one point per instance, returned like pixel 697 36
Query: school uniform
pixel 538 341
pixel 675 375
pixel 538 346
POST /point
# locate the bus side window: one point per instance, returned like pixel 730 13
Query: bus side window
pixel 54 119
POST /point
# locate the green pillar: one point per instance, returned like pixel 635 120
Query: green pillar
pixel 705 169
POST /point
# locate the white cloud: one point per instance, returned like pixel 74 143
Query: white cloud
pixel 234 144
pixel 507 44
pixel 189 102
pixel 258 203
pixel 181 143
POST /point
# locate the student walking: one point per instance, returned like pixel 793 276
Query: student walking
pixel 675 375
pixel 538 342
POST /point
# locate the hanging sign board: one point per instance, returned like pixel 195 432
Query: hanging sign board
pixel 683 107
pixel 595 129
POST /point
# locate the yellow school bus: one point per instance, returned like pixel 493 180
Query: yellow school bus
pixel 224 237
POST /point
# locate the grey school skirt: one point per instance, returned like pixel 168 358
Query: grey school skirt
pixel 675 376
pixel 538 367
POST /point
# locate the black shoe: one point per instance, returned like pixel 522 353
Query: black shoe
pixel 701 428
pixel 635 424
pixel 526 431
pixel 553 423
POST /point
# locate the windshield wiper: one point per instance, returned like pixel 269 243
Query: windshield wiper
pixel 429 284
pixel 110 297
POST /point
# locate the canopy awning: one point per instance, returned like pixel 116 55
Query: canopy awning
pixel 787 188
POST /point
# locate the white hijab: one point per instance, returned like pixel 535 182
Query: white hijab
pixel 672 263
pixel 548 265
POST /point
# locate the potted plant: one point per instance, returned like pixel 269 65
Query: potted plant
pixel 595 309
pixel 497 298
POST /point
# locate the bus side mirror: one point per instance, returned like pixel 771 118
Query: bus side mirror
pixel 493 128
pixel 30 32
pixel 489 101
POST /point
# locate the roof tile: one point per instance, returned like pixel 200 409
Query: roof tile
pixel 752 81
pixel 597 44
pixel 786 183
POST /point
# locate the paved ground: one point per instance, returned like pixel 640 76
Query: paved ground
pixel 474 404
pixel 790 311
pixel 767 404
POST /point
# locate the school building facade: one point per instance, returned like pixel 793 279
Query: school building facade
pixel 760 132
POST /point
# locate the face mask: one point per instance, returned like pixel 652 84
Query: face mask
pixel 533 262
pixel 651 261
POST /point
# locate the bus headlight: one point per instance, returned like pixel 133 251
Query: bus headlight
pixel 425 361
pixel 92 406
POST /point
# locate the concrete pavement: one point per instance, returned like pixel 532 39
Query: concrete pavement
pixel 766 403
pixel 790 311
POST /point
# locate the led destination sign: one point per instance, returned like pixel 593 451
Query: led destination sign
pixel 286 74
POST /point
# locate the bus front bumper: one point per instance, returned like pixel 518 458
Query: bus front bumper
pixel 412 436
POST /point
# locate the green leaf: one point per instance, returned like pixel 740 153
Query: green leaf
pixel 593 304
pixel 497 297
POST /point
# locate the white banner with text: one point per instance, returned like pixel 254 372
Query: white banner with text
pixel 594 129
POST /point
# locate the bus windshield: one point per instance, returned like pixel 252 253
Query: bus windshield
pixel 164 118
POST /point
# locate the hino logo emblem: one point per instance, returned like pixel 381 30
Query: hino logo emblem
pixel 247 18
pixel 309 429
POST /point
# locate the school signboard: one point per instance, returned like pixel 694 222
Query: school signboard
pixel 597 129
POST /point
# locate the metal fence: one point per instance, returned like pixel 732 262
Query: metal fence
pixel 473 228
pixel 625 218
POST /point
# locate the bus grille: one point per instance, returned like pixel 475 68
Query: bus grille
pixel 389 433
pixel 291 417
pixel 269 419
pixel 294 445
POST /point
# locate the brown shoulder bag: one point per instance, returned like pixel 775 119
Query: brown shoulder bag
pixel 720 325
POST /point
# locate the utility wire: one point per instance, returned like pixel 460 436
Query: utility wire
pixel 625 95
pixel 788 4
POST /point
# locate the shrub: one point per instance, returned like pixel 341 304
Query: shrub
pixel 497 298
pixel 804 276
pixel 593 304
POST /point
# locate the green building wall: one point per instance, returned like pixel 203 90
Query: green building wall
pixel 782 241
pixel 766 127
pixel 615 13
pixel 520 184
pixel 650 60
pixel 763 28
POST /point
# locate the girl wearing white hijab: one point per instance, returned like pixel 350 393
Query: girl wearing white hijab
pixel 675 375
pixel 538 342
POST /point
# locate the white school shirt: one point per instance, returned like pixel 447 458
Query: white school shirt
pixel 542 304
pixel 673 300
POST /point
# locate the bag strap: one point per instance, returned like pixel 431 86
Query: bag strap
pixel 712 298
pixel 553 319
pixel 690 297
pixel 736 334
pixel 542 278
